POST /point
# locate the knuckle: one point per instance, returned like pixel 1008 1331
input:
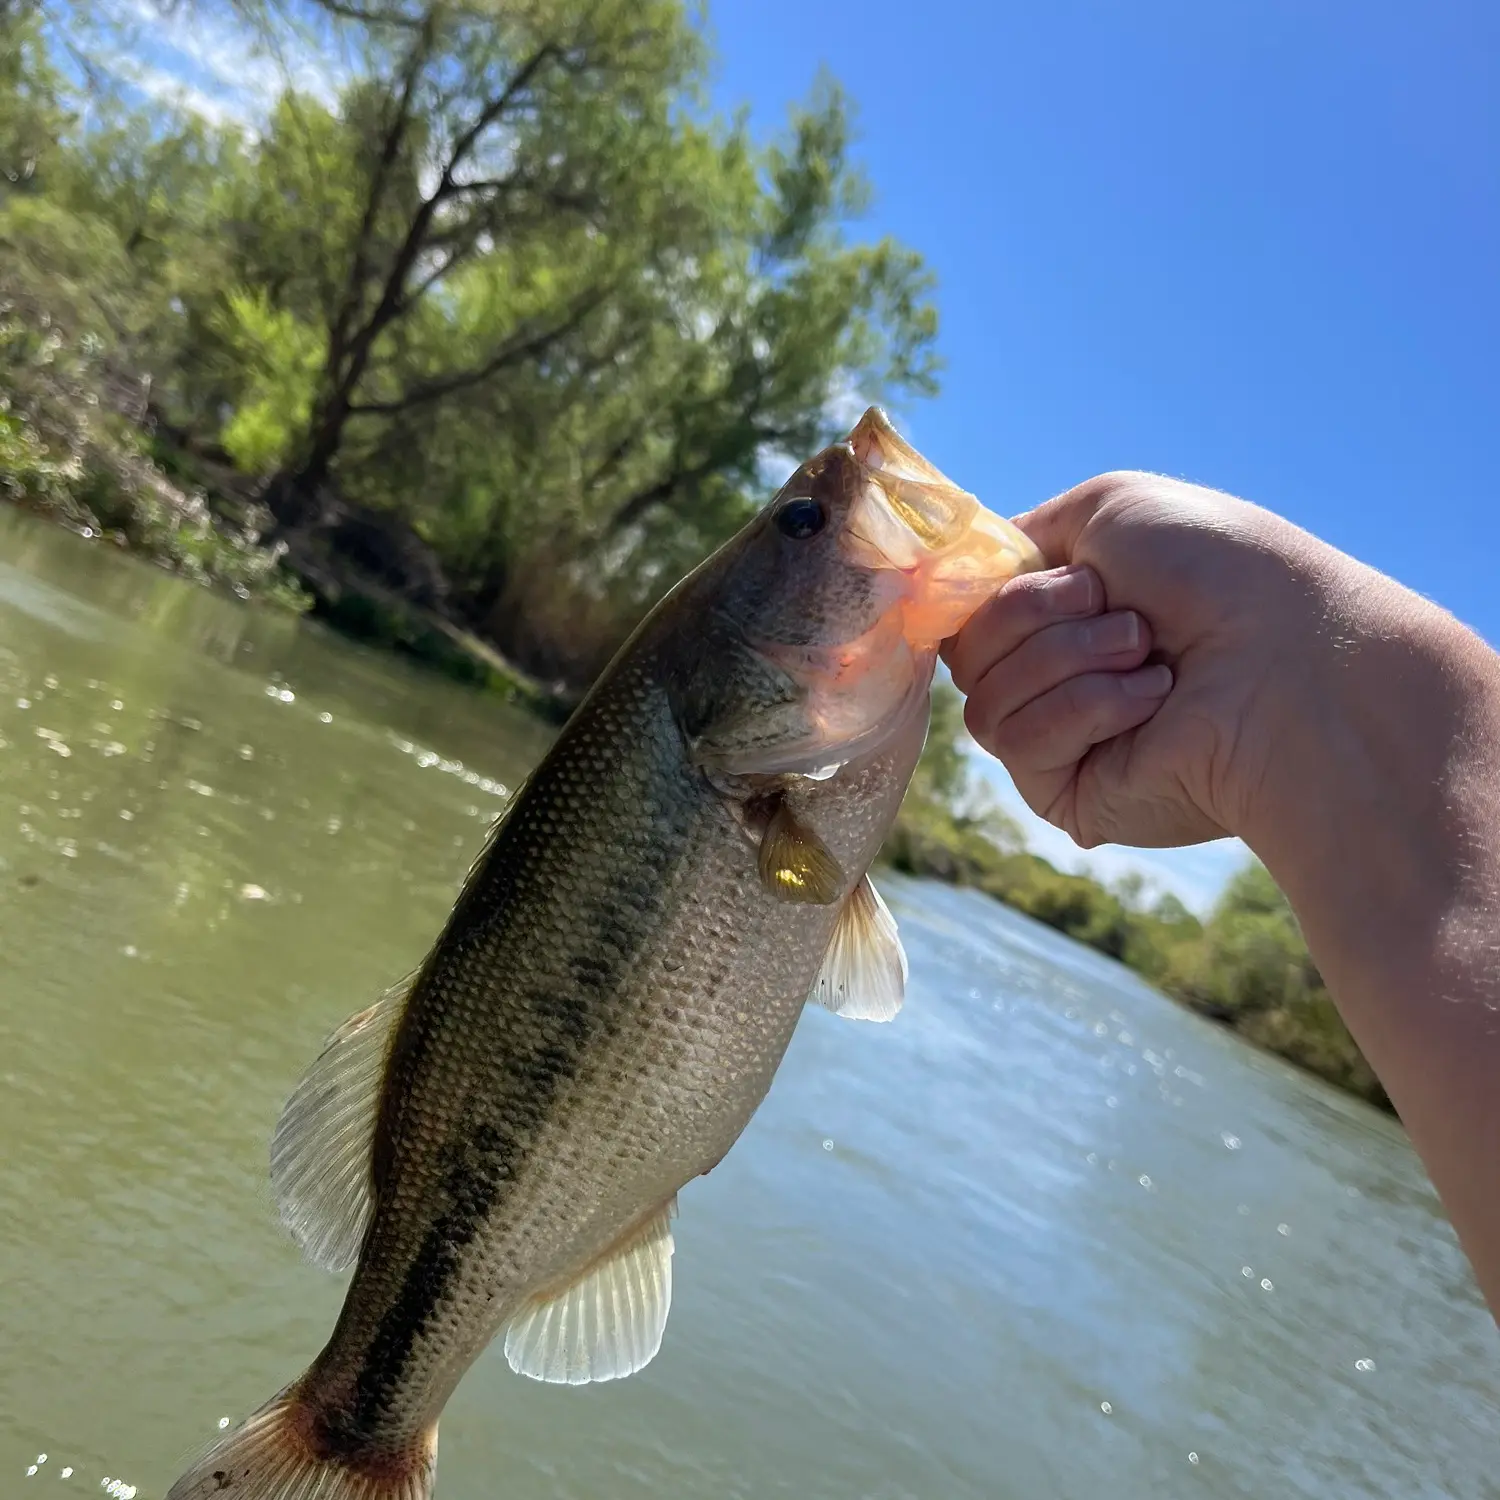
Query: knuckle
pixel 1004 738
pixel 971 655
pixel 1107 486
pixel 978 719
pixel 959 669
pixel 1017 611
pixel 1042 797
pixel 1017 600
pixel 1115 491
pixel 1086 698
pixel 1115 480
pixel 1025 591
pixel 1003 624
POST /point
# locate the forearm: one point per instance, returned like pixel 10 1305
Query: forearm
pixel 1380 818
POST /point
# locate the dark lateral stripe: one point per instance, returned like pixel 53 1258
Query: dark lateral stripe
pixel 565 1022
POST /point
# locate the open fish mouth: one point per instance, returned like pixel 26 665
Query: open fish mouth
pixel 910 517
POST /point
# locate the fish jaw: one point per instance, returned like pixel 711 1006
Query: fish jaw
pixel 908 516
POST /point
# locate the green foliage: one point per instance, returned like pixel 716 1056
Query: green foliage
pixel 950 824
pixel 71 443
pixel 1251 969
pixel 942 775
pixel 280 357
pixel 31 112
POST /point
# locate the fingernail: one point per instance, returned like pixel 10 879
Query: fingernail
pixel 1073 591
pixel 1113 634
pixel 1148 682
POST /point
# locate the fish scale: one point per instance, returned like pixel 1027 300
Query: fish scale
pixel 622 886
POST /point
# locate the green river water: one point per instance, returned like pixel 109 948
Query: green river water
pixel 1047 1237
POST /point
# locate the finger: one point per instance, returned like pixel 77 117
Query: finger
pixel 1018 611
pixel 1055 731
pixel 1071 649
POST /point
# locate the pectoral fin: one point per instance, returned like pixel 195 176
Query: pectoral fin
pixel 321 1172
pixel 607 1324
pixel 795 864
pixel 863 977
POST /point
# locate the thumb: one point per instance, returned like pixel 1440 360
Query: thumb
pixel 1056 524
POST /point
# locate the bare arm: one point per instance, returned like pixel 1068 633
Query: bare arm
pixel 1380 818
pixel 1346 729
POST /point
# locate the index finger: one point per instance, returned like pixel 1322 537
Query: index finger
pixel 1056 524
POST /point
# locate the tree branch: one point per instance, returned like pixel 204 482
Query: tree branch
pixel 615 457
pixel 492 112
pixel 394 299
pixel 390 150
pixel 513 351
pixel 348 12
pixel 681 474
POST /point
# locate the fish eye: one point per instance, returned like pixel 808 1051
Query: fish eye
pixel 800 519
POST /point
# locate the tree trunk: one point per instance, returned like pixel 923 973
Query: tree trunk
pixel 299 496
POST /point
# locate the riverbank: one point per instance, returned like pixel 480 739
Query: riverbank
pixel 81 446
pixel 74 448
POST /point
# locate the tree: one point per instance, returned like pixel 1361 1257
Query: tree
pixel 658 424
pixel 476 130
pixel 31 112
pixel 508 290
pixel 517 287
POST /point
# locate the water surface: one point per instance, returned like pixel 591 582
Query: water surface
pixel 1047 1237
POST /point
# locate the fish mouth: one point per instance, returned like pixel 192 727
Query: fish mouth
pixel 909 517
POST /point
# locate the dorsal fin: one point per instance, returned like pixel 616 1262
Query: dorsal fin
pixel 321 1172
pixel 609 1322
pixel 864 971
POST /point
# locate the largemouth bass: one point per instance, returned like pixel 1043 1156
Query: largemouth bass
pixel 497 1146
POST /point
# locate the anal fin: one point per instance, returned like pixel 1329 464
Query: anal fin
pixel 864 972
pixel 606 1324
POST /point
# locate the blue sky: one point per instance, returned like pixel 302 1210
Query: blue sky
pixel 1253 245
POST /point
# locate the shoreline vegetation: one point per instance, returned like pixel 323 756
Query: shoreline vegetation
pixel 473 349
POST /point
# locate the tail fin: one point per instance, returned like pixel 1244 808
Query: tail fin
pixel 274 1456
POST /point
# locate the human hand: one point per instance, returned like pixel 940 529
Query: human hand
pixel 1136 690
pixel 1346 728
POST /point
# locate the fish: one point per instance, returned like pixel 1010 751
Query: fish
pixel 496 1146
